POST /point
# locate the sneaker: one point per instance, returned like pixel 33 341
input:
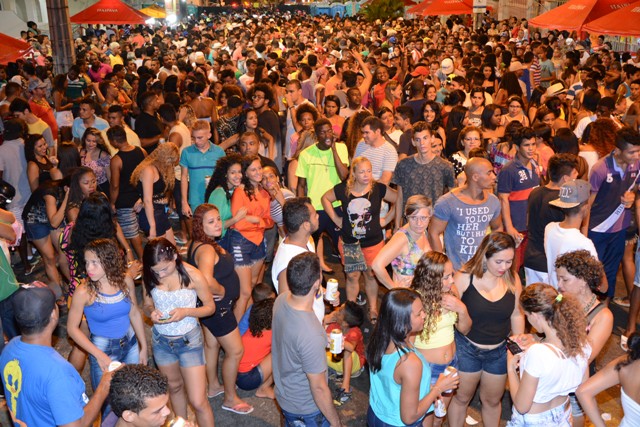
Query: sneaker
pixel 622 302
pixel 361 300
pixel 342 397
pixel 357 373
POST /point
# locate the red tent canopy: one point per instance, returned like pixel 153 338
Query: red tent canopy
pixel 446 7
pixel 622 22
pixel 420 6
pixel 574 14
pixel 109 12
pixel 12 49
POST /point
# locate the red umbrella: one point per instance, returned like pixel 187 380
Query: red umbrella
pixel 622 22
pixel 109 12
pixel 12 49
pixel 572 15
pixel 420 6
pixel 447 7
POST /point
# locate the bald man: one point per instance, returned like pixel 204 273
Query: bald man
pixel 465 213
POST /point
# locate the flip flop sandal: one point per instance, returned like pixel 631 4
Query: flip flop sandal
pixel 623 342
pixel 240 409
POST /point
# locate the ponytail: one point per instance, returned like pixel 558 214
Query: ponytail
pixel 562 312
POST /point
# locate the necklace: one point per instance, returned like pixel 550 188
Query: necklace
pixel 588 307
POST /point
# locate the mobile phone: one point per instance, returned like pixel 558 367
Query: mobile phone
pixel 513 347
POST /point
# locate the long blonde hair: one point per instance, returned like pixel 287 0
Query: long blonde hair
pixel 163 159
pixel 351 180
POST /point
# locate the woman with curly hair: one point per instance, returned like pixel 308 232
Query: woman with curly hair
pixel 95 155
pixel 623 370
pixel 406 246
pixel 221 328
pixel 490 288
pixel 40 167
pixel 154 178
pixel 542 377
pixel 431 114
pixel 598 140
pixel 354 130
pixel 246 237
pixel 433 280
pixel 360 227
pixel 108 302
pixel 306 115
pixel 227 176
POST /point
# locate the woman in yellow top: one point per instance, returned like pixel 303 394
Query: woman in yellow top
pixel 433 279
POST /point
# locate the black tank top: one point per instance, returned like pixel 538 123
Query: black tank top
pixel 224 273
pixel 128 194
pixel 44 170
pixel 491 320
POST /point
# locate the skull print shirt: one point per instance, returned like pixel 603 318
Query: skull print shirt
pixel 361 215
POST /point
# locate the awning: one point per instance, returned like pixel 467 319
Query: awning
pixel 112 12
pixel 574 14
pixel 12 49
pixel 447 7
pixel 622 22
pixel 155 11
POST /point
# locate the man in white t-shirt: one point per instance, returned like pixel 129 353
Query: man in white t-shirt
pixel 301 221
pixel 565 236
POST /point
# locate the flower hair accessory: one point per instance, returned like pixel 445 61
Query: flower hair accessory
pixel 559 298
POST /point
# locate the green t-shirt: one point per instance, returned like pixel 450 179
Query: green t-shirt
pixel 318 168
pixel 8 281
pixel 218 197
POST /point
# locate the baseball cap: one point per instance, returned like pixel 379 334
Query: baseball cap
pixel 572 194
pixel 447 66
pixel 420 71
pixel 32 306
pixel 35 84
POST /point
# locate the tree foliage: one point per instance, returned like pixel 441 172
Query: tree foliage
pixel 383 9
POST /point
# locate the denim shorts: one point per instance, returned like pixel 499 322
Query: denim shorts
pixel 161 217
pixel 187 349
pixel 560 416
pixel 128 220
pixel 245 252
pixel 250 380
pixel 37 231
pixel 636 279
pixel 374 421
pixel 576 408
pixel 438 368
pixel 474 359
pixel 311 420
pixel 123 350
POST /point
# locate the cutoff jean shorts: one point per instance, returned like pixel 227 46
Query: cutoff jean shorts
pixel 186 349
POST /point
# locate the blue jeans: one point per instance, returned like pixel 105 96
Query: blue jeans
pixel 310 420
pixel 123 350
pixel 374 421
pixel 610 248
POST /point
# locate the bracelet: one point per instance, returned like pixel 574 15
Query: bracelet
pixel 127 251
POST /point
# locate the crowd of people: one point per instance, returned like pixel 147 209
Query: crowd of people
pixel 481 182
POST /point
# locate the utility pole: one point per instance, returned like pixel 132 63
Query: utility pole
pixel 64 52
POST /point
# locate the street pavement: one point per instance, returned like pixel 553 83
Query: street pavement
pixel 353 413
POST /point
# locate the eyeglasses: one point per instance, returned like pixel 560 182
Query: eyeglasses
pixel 418 218
pixel 257 97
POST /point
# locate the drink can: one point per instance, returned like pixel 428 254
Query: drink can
pixel 177 422
pixel 113 366
pixel 450 370
pixel 161 141
pixel 440 409
pixel 332 290
pixel 335 341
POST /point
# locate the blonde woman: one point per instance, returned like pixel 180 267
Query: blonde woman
pixel 154 178
pixel 404 249
pixel 361 226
